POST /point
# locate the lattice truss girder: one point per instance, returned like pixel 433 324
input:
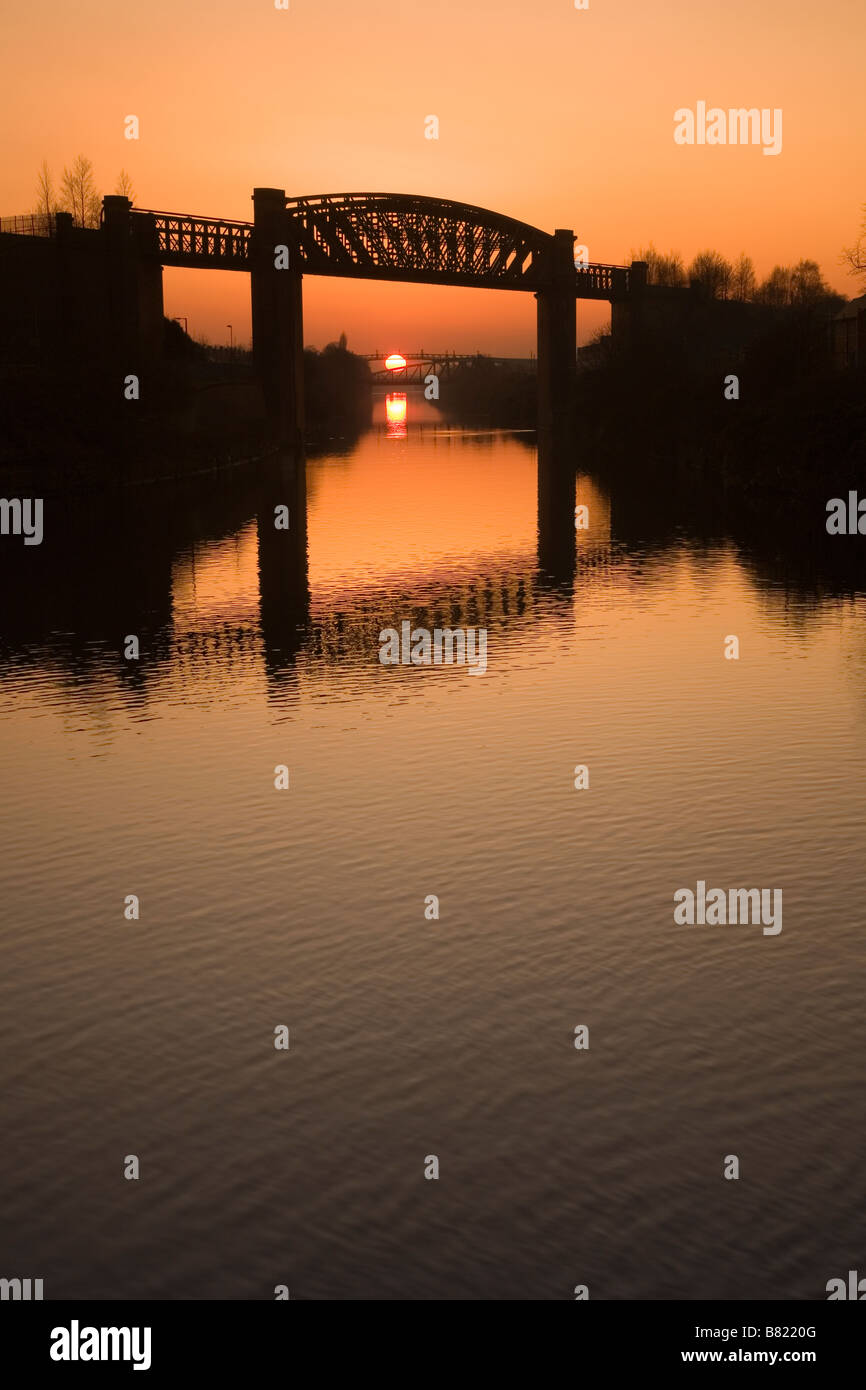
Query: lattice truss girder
pixel 417 237
pixel 208 241
pixel 389 235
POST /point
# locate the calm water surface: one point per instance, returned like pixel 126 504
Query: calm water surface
pixel 412 1037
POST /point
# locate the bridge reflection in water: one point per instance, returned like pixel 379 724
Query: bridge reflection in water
pixel 433 542
pixel 447 533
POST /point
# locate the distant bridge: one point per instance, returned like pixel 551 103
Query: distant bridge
pixel 421 364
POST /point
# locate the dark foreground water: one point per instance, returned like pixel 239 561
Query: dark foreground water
pixel 412 1037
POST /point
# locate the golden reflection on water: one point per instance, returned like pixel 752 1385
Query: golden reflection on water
pixel 157 778
pixel 396 413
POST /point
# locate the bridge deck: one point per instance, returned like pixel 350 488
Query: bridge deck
pixel 370 237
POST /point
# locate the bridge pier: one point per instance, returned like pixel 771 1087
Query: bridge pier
pixel 557 555
pixel 134 289
pixel 284 581
pixel 557 340
pixel 627 315
pixel 278 317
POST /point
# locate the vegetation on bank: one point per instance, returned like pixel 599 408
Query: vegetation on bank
pixel 656 403
pixel 200 409
pixel 337 383
pixel 714 275
pixel 797 285
pixel 78 192
pixel 664 408
pixel 337 391
pixel 482 392
pixel 795 436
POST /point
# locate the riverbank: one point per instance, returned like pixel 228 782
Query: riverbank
pixel 487 394
pixel 782 448
pixel 771 428
pixel 76 426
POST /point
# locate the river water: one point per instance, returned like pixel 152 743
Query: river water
pixel 411 1036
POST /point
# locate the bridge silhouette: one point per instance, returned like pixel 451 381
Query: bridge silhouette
pixel 386 236
pixel 420 365
pixel 383 236
pixel 373 236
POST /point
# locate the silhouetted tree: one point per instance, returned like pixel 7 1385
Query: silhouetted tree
pixel 661 269
pixel 856 255
pixel 337 385
pixel 807 284
pixel 124 186
pixel 712 272
pixel 800 284
pixel 776 289
pixel 79 193
pixel 46 201
pixel 743 282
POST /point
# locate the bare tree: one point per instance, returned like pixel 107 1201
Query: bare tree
pixel 124 186
pixel 661 269
pixel 670 269
pixel 46 201
pixel 710 270
pixel 801 285
pixel 78 187
pixel 743 282
pixel 777 289
pixel 856 255
pixel 808 285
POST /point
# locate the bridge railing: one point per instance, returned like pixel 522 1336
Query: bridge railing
pixel 605 281
pixel 30 224
pixel 185 240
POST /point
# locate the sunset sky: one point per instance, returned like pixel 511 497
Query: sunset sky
pixel 559 117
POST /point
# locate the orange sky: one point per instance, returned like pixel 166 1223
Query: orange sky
pixel 553 115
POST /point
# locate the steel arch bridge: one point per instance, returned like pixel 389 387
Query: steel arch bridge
pixel 392 236
pixel 372 236
pixel 385 236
